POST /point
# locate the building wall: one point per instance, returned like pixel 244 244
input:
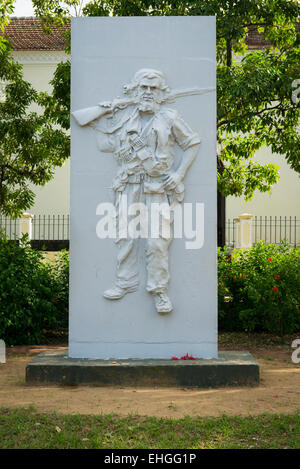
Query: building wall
pixel 38 69
pixel 283 200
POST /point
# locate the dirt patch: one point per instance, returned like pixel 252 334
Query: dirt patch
pixel 30 350
pixel 278 392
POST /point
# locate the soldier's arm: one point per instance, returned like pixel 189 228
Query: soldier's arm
pixel 177 176
pixel 188 158
pixel 189 141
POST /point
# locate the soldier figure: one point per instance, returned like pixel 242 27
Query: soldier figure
pixel 142 135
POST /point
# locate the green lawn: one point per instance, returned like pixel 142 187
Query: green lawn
pixel 25 428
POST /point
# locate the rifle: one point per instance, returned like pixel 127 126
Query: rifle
pixel 87 115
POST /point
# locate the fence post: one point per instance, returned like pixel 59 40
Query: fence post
pixel 237 235
pixel 245 230
pixel 26 225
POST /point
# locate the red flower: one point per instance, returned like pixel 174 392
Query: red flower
pixel 187 357
pixel 275 289
pixel 277 277
pixel 234 277
pixel 244 275
pixel 174 358
pixel 55 300
pixel 270 259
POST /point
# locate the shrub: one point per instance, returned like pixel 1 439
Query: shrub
pixel 259 289
pixel 60 275
pixel 32 298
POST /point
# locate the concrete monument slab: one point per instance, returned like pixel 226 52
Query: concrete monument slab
pixel 143 280
pixel 229 369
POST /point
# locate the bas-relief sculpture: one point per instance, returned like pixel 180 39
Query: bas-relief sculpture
pixel 141 133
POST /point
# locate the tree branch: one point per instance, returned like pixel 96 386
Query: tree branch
pixel 224 122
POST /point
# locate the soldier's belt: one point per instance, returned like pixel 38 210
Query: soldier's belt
pixel 125 154
pixel 137 142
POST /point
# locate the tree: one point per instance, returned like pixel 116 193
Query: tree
pixel 255 105
pixel 6 8
pixel 30 145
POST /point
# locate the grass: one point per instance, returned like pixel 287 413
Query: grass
pixel 26 428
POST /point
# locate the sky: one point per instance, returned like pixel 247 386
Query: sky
pixel 24 8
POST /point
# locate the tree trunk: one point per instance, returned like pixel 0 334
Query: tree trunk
pixel 221 219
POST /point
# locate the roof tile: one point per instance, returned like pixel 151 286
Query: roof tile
pixel 28 34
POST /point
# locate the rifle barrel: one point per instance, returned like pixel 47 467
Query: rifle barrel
pixel 187 92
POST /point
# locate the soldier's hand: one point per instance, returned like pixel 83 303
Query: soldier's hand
pixel 172 180
pixel 108 107
pixel 106 104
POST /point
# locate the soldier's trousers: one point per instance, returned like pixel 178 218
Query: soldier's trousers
pixel 156 253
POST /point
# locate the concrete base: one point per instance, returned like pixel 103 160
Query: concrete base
pixel 229 369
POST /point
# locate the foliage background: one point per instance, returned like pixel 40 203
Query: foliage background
pixel 254 87
pixel 255 109
pixel 33 293
pixel 31 145
pixel 258 291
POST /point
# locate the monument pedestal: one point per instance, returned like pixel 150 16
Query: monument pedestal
pixel 231 368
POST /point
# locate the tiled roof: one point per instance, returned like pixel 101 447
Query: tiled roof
pixel 255 40
pixel 27 34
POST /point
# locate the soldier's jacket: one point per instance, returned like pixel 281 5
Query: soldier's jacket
pixel 145 154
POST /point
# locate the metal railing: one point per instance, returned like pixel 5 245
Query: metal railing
pixel 271 229
pixel 51 227
pixel 10 227
pixel 44 227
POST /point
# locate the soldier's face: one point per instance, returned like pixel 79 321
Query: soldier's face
pixel 149 94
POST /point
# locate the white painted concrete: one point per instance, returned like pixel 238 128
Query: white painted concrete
pixel 106 52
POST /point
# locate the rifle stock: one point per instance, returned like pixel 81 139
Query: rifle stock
pixel 87 115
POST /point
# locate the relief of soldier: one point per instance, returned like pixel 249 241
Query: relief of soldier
pixel 142 133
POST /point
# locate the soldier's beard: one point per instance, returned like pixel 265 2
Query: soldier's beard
pixel 148 106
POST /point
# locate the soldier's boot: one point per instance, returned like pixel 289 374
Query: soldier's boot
pixel 116 292
pixel 162 303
